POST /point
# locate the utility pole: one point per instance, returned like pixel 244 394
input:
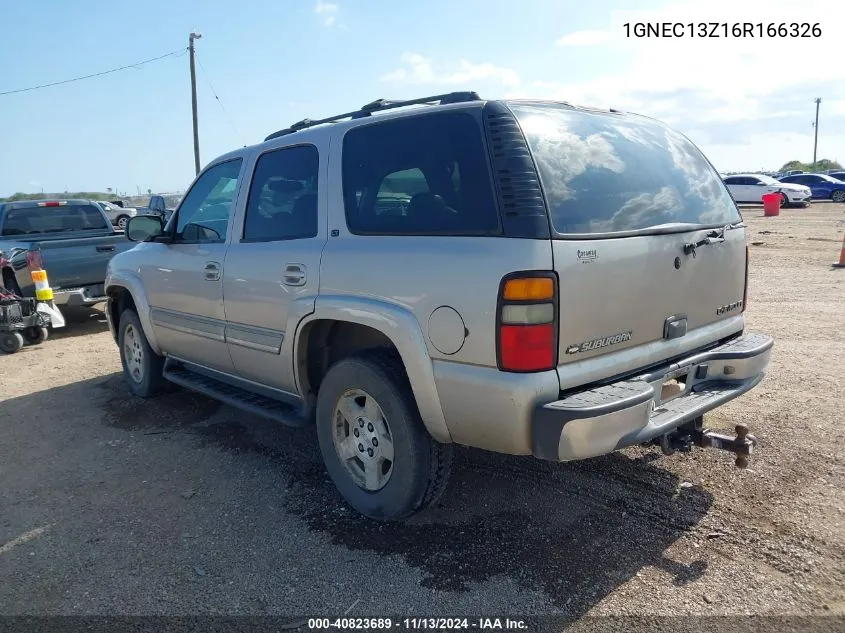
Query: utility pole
pixel 816 126
pixel 191 38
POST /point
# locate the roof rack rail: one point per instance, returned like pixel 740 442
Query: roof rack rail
pixel 378 105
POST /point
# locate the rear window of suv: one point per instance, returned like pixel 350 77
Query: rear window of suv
pixel 421 175
pixel 605 173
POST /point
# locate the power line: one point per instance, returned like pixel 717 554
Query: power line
pixel 214 92
pixel 181 51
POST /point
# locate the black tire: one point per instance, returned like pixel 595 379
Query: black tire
pixel 838 195
pixel 421 465
pixel 784 200
pixel 11 342
pixel 121 218
pixel 151 379
pixel 35 335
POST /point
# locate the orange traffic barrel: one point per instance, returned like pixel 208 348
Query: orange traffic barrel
pixel 841 262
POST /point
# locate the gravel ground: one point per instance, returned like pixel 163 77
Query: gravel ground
pixel 113 505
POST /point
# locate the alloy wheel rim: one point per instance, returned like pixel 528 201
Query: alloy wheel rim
pixel 362 439
pixel 133 353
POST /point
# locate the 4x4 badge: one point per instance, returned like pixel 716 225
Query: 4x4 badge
pixel 597 343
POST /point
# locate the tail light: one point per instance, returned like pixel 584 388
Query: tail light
pixel 527 322
pixel 33 260
pixel 745 290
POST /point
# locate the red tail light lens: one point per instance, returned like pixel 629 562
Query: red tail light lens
pixel 33 260
pixel 527 322
pixel 527 347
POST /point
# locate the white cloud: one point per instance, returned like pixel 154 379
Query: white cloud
pixel 417 69
pixel 328 11
pixel 747 100
pixel 583 38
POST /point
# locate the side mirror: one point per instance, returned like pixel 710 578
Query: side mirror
pixel 142 228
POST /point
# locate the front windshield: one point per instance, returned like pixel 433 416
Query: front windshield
pixel 767 180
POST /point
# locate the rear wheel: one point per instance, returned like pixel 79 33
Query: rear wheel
pixel 838 196
pixel 35 335
pixel 11 342
pixel 374 445
pixel 142 367
pixel 122 221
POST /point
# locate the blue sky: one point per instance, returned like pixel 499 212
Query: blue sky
pixel 747 103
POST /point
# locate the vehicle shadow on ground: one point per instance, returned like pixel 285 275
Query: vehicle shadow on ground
pixel 572 532
pixel 80 322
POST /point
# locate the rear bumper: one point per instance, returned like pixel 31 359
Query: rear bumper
pixel 607 418
pixel 79 297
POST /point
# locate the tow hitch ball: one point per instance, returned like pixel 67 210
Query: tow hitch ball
pixel 684 438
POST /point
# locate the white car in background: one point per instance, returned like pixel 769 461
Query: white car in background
pixel 119 216
pixel 752 188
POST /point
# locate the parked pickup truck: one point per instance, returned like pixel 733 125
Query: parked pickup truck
pixel 564 282
pixel 72 240
pixel 156 206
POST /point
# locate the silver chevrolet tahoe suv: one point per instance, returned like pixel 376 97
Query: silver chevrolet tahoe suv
pixel 530 278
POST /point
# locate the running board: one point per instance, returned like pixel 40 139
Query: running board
pixel 238 397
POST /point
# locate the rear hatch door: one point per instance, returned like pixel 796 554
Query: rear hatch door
pixel 649 247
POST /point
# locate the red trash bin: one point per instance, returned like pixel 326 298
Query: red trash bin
pixel 771 203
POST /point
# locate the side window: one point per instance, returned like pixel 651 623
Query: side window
pixel 282 203
pixel 204 213
pixel 732 181
pixel 424 175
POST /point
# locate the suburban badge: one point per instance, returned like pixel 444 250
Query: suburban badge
pixel 597 343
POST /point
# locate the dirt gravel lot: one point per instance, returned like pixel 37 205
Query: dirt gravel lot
pixel 113 505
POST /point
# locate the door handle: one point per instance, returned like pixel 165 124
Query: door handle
pixel 294 275
pixel 212 271
pixel 105 248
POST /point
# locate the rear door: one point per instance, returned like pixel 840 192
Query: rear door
pixel 273 263
pixel 736 187
pixel 626 195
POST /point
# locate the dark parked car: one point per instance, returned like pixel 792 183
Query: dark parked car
pixel 839 175
pixel 822 185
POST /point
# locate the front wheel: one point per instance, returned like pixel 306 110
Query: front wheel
pixel 122 221
pixel 35 335
pixel 142 367
pixel 11 342
pixel 784 200
pixel 375 447
pixel 838 196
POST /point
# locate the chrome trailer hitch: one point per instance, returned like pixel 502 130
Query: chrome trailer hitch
pixel 692 434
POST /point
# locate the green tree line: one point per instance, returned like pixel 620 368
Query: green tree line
pixel 820 165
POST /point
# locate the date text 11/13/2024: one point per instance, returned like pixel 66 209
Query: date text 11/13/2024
pixel 427 624
pixel 722 29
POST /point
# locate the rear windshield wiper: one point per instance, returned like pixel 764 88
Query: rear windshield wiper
pixel 713 237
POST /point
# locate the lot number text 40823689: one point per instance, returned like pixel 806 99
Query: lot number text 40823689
pixel 721 29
